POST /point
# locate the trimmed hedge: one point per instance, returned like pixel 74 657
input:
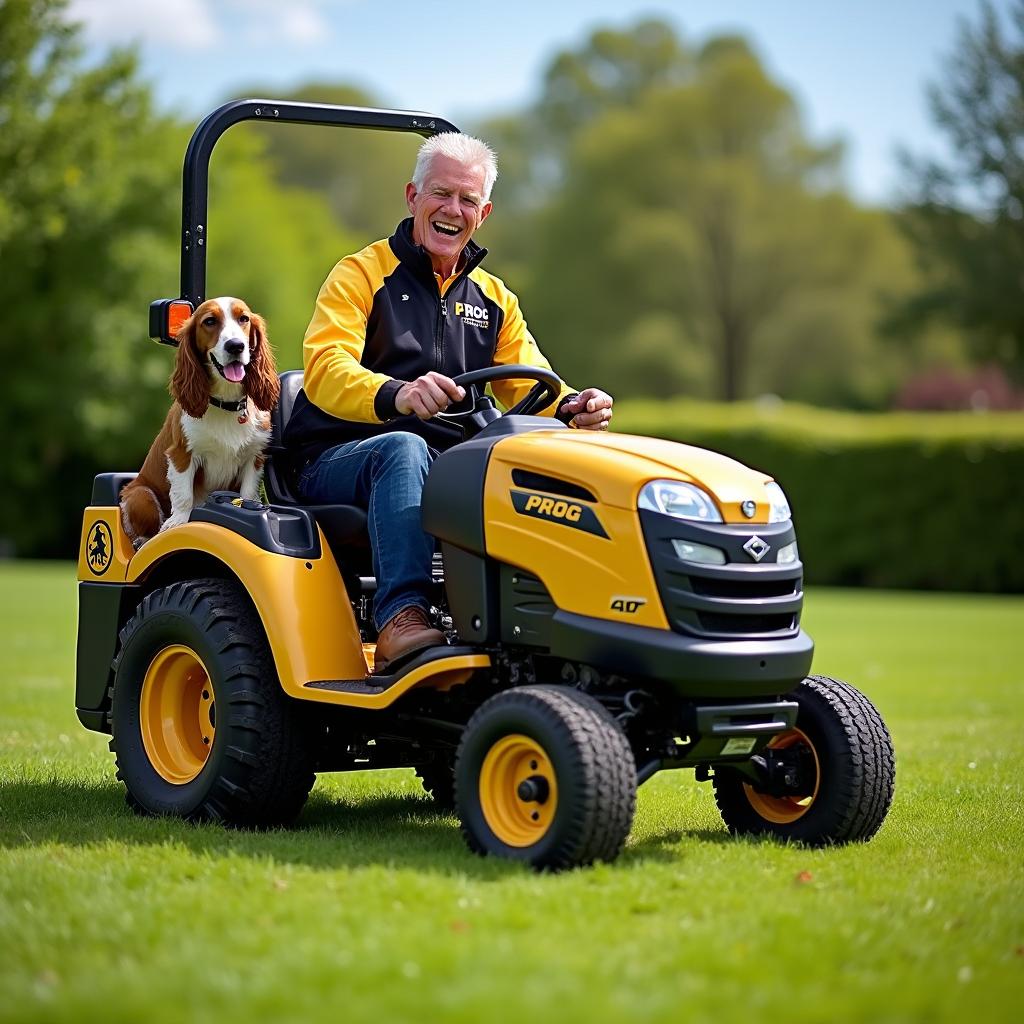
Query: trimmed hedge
pixel 932 501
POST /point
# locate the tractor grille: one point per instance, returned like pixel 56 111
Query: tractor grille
pixel 742 588
pixel 741 599
pixel 719 622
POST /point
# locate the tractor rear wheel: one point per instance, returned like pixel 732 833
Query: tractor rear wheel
pixel 201 727
pixel 544 774
pixel 841 762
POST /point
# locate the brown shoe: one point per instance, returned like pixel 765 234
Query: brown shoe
pixel 408 631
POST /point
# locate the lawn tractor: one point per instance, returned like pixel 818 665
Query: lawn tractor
pixel 613 606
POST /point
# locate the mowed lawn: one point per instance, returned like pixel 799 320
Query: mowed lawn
pixel 372 910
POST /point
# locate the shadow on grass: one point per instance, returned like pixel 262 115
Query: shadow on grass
pixel 390 830
pixel 664 847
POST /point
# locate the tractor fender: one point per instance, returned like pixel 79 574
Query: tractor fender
pixel 302 602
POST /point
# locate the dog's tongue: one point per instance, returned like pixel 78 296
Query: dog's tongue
pixel 234 372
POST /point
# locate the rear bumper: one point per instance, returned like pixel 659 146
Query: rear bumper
pixel 103 608
pixel 691 666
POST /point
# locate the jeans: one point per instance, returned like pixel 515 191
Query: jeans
pixel 385 476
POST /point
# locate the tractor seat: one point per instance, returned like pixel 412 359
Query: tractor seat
pixel 342 525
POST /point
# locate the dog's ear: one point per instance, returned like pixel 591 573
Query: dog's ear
pixel 262 384
pixel 190 383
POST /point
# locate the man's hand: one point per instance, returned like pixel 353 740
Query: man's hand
pixel 593 409
pixel 428 395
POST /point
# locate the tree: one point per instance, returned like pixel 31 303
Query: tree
pixel 87 200
pixel 966 215
pixel 278 259
pixel 692 224
pixel 90 214
pixel 361 174
pixel 611 71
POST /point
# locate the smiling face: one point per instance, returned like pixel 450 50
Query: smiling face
pixel 448 210
pixel 223 329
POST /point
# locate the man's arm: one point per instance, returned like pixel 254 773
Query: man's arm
pixel 334 378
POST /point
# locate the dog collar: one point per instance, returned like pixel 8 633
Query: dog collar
pixel 238 406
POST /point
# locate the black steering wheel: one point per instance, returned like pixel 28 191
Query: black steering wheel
pixel 477 409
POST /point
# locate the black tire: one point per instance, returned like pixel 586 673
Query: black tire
pixel 588 804
pixel 850 781
pixel 259 767
pixel 438 779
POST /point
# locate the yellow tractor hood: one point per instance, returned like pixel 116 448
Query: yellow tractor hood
pixel 617 466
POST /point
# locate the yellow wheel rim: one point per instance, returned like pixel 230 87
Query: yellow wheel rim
pixel 782 810
pixel 177 715
pixel 518 790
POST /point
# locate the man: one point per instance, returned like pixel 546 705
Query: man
pixel 393 324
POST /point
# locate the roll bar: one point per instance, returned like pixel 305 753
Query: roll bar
pixel 195 174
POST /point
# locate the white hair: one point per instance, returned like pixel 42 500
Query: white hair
pixel 463 148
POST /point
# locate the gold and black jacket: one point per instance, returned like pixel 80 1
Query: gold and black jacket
pixel 383 318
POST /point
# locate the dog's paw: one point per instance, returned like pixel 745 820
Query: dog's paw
pixel 174 520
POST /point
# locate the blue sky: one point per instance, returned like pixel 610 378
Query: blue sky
pixel 858 70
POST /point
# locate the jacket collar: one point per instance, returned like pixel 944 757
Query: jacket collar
pixel 416 257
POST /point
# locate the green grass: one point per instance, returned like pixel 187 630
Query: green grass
pixel 372 909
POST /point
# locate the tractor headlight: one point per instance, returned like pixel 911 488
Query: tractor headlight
pixel 787 554
pixel 683 501
pixel 702 554
pixel 779 511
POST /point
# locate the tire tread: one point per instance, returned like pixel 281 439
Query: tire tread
pixel 266 771
pixel 864 773
pixel 600 822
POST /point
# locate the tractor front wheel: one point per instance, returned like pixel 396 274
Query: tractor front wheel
pixel 835 772
pixel 201 727
pixel 544 774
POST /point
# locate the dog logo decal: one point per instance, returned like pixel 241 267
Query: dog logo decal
pixel 99 548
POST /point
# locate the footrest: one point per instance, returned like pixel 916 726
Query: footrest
pixel 438 668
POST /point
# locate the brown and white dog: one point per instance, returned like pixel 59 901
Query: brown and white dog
pixel 224 386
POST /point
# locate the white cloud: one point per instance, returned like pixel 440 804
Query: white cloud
pixel 174 24
pixel 270 21
pixel 178 25
pixel 302 23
